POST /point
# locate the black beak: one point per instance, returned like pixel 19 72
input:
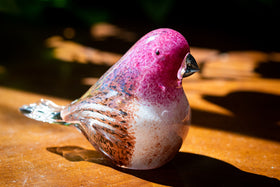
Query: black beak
pixel 191 66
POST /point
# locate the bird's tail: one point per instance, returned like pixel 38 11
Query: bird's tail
pixel 44 110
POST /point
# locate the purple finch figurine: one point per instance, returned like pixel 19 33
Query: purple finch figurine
pixel 137 113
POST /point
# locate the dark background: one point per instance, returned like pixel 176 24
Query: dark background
pixel 28 64
pixel 231 24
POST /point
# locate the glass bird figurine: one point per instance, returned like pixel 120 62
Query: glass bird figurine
pixel 136 114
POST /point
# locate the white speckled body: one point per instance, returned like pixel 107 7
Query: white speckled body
pixel 159 133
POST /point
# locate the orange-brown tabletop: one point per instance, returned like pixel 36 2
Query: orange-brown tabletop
pixel 234 139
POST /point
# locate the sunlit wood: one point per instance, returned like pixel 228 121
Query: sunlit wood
pixel 103 30
pixel 225 140
pixel 73 52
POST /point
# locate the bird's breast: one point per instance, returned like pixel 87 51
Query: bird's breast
pixel 159 132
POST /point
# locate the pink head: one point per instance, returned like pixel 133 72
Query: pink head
pixel 153 67
pixel 160 54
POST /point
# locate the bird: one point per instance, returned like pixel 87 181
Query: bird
pixel 137 114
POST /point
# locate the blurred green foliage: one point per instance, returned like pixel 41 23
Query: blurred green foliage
pixel 254 20
pixel 34 10
pixel 156 11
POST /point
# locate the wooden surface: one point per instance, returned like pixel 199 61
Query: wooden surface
pixel 234 139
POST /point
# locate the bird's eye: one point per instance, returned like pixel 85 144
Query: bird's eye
pixel 157 52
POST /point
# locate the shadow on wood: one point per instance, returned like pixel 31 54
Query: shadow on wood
pixel 255 114
pixel 186 169
pixel 268 69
